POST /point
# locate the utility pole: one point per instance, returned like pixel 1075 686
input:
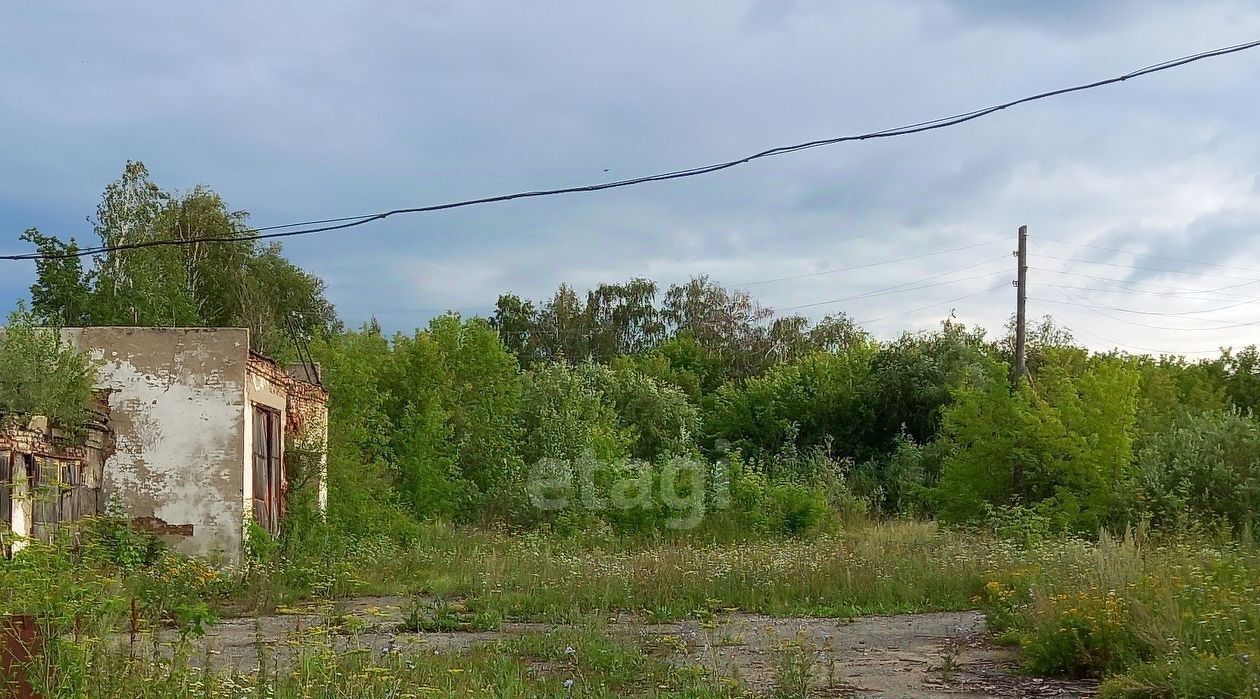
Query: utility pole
pixel 1021 298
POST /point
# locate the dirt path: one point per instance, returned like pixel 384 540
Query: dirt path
pixel 911 656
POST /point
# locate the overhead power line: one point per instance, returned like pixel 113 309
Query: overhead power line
pixel 866 266
pixel 1151 255
pixel 1173 290
pixel 1075 301
pixel 333 224
pixel 1148 269
pixel 1116 344
pixel 906 286
pixel 1135 292
pixel 1144 325
pixel 1136 311
pixel 934 305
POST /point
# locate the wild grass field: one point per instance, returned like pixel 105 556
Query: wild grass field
pixel 1163 617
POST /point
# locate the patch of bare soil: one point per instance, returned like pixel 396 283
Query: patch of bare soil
pixel 909 656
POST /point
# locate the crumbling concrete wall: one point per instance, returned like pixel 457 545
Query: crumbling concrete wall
pixel 52 476
pixel 304 408
pixel 308 427
pixel 178 406
pixel 265 495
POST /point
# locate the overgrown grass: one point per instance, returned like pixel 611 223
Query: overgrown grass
pixel 587 661
pixel 1177 618
pixel 1173 617
pixel 886 569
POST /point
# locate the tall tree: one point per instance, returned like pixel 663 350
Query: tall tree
pixel 60 294
pixel 563 329
pixel 237 283
pixel 725 322
pixel 516 320
pixel 623 319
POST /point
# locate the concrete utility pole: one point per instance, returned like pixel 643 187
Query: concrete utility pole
pixel 1021 338
pixel 1021 298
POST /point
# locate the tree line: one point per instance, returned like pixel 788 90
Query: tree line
pixel 799 422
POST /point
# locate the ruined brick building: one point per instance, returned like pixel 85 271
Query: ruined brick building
pixel 187 436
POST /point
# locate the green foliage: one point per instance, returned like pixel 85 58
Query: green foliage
pixel 613 320
pixel 112 538
pixel 797 509
pixel 1241 373
pixel 260 545
pixel 728 323
pixel 911 383
pixel 1204 468
pixel 88 576
pixel 924 424
pixel 657 416
pixel 805 404
pixel 567 417
pixel 1174 618
pixel 900 481
pixel 431 420
pixel 217 285
pixel 698 336
pixel 42 374
pixel 1068 440
pixel 363 500
pixel 680 362
pixel 1170 388
pixel 60 295
pixel 457 381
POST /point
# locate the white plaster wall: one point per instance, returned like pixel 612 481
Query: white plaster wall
pixel 179 412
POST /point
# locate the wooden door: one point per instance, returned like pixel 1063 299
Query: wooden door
pixel 267 471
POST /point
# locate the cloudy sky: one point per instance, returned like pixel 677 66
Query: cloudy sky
pixel 304 110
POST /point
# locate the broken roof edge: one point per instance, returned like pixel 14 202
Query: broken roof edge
pixel 156 328
pixel 308 370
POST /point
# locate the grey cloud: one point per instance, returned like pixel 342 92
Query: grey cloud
pixel 1059 16
pixel 331 109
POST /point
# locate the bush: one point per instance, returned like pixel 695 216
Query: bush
pixel 1205 468
pixel 753 503
pixel 41 374
pixel 810 403
pixel 899 482
pixel 658 417
pixel 796 509
pixel 566 416
pixel 88 577
pixel 1068 440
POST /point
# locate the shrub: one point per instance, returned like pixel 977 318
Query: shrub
pixel 658 417
pixel 1205 467
pixel 1068 440
pixel 810 403
pixel 797 509
pixel 41 374
pixel 565 416
pixel 899 482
